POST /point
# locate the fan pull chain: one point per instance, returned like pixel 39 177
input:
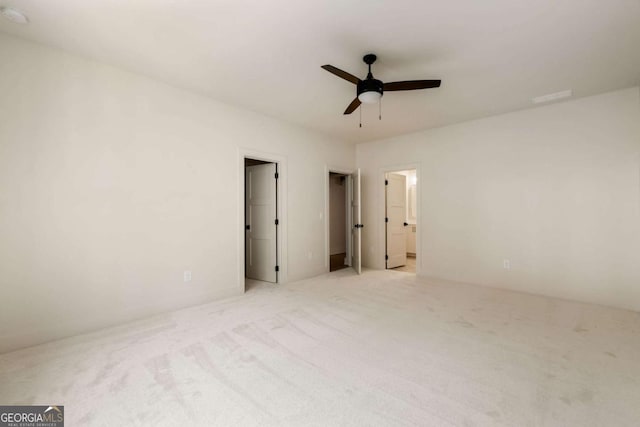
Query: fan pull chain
pixel 380 108
pixel 360 115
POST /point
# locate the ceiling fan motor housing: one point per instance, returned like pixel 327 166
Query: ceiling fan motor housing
pixel 369 85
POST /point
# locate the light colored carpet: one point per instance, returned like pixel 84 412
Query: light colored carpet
pixel 384 348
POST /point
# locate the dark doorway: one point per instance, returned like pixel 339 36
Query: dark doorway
pixel 338 224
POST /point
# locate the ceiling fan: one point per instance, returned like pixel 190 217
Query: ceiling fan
pixel 370 90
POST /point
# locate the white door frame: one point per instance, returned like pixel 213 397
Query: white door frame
pixel 281 233
pixel 380 191
pixel 327 243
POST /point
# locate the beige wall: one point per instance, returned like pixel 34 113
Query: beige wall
pixel 112 184
pixel 555 189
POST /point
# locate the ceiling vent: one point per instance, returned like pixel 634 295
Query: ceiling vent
pixel 552 97
pixel 14 15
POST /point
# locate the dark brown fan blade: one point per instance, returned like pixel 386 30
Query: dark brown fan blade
pixel 411 85
pixel 353 106
pixel 343 74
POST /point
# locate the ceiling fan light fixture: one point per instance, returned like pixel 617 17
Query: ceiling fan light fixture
pixel 370 97
pixel 369 90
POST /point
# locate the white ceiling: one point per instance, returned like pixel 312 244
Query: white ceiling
pixel 493 56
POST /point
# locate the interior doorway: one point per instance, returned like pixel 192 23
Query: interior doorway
pixel 339 233
pixel 401 220
pixel 344 217
pixel 261 220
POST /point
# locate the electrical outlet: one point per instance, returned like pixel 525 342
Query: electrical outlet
pixel 187 276
pixel 506 264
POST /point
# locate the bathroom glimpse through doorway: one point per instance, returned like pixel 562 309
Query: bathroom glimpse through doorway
pixel 401 220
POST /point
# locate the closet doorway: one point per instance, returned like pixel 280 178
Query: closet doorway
pixel 343 220
pixel 261 220
pixel 339 242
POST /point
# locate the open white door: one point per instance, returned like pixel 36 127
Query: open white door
pixel 261 214
pixel 396 208
pixel 356 230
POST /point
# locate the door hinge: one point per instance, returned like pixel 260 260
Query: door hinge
pixel 277 176
pixel 386 182
pixel 386 219
pixel 277 222
pixel 277 268
pixel 248 227
pixel 386 257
